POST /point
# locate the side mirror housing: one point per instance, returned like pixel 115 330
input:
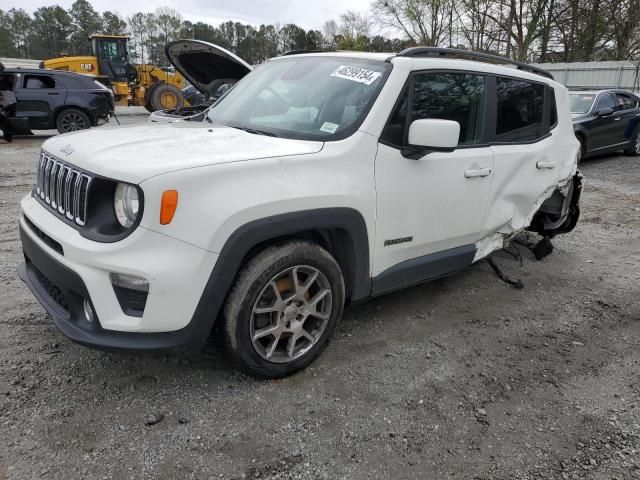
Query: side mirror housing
pixel 605 112
pixel 431 135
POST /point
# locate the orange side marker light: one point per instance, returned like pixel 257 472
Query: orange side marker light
pixel 168 206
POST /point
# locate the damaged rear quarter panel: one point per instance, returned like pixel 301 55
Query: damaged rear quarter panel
pixel 520 186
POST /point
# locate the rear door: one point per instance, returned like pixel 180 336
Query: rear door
pixel 38 98
pixel 525 162
pixel 627 111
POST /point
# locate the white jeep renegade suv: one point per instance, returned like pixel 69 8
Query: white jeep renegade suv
pixel 319 180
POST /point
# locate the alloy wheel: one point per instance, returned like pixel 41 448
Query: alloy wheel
pixel 637 144
pixel 73 121
pixel 291 313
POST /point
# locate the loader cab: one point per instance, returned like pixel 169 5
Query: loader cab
pixel 113 57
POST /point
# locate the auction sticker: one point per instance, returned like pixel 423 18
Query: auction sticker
pixel 356 74
pixel 329 127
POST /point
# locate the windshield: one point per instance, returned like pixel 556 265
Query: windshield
pixel 311 98
pixel 581 102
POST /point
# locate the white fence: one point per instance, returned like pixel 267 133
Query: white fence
pixel 19 62
pixel 595 75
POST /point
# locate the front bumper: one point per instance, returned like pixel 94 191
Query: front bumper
pixel 62 278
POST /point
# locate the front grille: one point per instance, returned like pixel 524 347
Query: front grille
pixel 52 290
pixel 63 188
pixel 44 237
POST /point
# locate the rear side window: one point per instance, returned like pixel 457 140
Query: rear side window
pixel 447 96
pixel 39 81
pixel 553 110
pixel 519 110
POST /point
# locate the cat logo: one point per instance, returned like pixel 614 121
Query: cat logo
pixel 87 66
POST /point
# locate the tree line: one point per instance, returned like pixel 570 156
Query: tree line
pixel 526 30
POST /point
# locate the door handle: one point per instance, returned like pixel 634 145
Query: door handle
pixel 616 119
pixel 543 164
pixel 481 172
pixel 53 93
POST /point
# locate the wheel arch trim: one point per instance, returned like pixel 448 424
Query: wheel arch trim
pixel 241 242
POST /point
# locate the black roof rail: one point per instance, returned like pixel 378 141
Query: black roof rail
pixel 480 56
pixel 301 51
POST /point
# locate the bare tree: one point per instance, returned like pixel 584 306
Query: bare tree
pixel 424 22
pixel 330 32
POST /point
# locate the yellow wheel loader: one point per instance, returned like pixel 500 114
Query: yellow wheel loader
pixel 143 84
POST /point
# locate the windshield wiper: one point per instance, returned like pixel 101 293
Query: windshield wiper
pixel 255 131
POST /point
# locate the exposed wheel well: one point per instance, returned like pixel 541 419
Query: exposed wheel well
pixel 336 241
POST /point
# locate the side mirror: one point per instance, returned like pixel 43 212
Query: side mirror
pixel 605 112
pixel 431 135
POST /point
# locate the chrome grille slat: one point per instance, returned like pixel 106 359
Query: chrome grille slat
pixel 59 192
pixel 68 200
pixel 53 180
pixel 63 188
pixel 47 178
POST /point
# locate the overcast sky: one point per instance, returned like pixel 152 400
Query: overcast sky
pixel 306 13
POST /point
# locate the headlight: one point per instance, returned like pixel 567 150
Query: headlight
pixel 126 204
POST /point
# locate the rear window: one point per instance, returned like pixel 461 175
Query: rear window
pixel 520 110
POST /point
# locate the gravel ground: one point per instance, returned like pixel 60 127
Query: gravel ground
pixel 465 377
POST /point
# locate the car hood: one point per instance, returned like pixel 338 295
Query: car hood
pixel 203 63
pixel 137 153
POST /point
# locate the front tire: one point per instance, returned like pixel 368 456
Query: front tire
pixel 634 147
pixel 283 309
pixel 71 120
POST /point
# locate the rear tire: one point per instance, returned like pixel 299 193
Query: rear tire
pixel 71 120
pixel 634 147
pixel 164 96
pixel 283 309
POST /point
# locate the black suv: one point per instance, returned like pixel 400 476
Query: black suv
pixel 606 121
pixel 49 99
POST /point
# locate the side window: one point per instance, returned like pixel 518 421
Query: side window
pixel 606 100
pixel 451 96
pixel 447 96
pixel 553 109
pixel 519 112
pixel 7 82
pixel 625 102
pixel 38 81
pixel 395 132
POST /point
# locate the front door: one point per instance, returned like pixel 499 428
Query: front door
pixel 430 211
pixel 607 130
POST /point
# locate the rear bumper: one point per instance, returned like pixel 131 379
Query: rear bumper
pixel 62 292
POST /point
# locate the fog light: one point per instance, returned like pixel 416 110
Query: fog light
pixel 131 293
pixel 88 311
pixel 130 282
